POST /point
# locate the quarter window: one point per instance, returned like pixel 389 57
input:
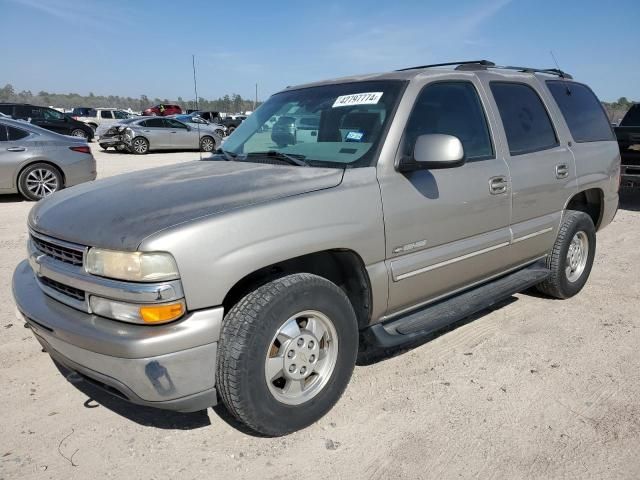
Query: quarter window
pixel 451 108
pixel 582 111
pixel 15 133
pixel 525 119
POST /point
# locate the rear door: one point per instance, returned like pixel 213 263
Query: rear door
pixel 14 151
pixel 154 129
pixel 542 167
pixel 180 135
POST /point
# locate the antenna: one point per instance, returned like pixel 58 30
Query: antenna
pixel 562 75
pixel 195 89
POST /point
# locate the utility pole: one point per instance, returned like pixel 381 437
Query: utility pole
pixel 255 104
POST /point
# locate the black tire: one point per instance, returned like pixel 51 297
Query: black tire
pixel 231 130
pixel 80 133
pixel 246 336
pixel 139 146
pixel 559 285
pixel 26 177
pixel 207 144
pixel 104 146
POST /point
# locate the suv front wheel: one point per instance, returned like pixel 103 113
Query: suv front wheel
pixel 286 353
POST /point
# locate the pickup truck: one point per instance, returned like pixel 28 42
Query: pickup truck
pixel 94 117
pixel 628 134
pixel 256 276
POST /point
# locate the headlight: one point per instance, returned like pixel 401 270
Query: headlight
pixel 132 266
pixel 133 313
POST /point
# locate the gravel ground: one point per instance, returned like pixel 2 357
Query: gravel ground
pixel 536 388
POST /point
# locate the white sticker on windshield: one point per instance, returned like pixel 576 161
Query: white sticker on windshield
pixel 369 98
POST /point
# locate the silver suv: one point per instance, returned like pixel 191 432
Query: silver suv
pixel 415 199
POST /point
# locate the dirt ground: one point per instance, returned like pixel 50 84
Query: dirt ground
pixel 536 388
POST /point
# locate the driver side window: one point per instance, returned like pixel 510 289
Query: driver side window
pixel 451 108
pixel 50 114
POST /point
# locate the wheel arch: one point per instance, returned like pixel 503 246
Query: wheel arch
pixel 589 201
pixel 33 162
pixel 343 267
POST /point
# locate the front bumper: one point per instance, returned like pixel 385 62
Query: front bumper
pixel 164 366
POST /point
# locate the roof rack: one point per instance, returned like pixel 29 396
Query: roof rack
pixel 485 64
pixel 480 63
pixel 548 71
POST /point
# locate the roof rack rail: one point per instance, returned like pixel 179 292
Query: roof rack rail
pixel 481 63
pixel 485 64
pixel 548 71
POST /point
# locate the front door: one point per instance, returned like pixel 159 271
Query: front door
pixel 446 228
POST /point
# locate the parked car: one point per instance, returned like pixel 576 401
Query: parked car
pixel 232 122
pixel 111 134
pixel 628 135
pixel 195 120
pixel 98 116
pixel 272 266
pixel 140 135
pixel 48 118
pixel 36 162
pixel 162 110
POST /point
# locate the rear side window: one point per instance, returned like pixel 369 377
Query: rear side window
pixel 632 118
pixel 106 114
pixel 582 111
pixel 525 119
pixel 6 109
pixel 451 108
pixel 15 133
pixel 154 122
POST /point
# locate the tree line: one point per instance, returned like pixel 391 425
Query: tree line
pixel 228 103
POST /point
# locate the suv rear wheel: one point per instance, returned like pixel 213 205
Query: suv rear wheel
pixel 286 353
pixel 572 256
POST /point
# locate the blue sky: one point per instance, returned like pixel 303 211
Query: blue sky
pixel 139 47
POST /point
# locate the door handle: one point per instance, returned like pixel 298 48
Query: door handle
pixel 16 149
pixel 498 185
pixel 562 170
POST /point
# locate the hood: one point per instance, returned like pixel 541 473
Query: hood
pixel 120 211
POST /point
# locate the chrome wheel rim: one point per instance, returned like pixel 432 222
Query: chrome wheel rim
pixel 577 255
pixel 78 133
pixel 41 182
pixel 139 145
pixel 301 357
pixel 207 144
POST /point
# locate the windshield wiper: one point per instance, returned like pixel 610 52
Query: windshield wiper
pixel 289 158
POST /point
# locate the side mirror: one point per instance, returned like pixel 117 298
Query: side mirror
pixel 433 151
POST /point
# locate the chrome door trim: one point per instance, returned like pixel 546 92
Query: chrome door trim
pixel 449 262
pixel 531 235
pixel 418 306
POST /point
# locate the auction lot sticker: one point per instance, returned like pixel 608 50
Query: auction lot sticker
pixel 369 98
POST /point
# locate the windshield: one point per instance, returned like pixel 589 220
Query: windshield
pixel 339 124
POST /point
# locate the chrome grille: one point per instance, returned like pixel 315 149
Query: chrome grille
pixel 64 289
pixel 59 252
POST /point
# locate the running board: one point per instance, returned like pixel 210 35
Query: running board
pixel 420 324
